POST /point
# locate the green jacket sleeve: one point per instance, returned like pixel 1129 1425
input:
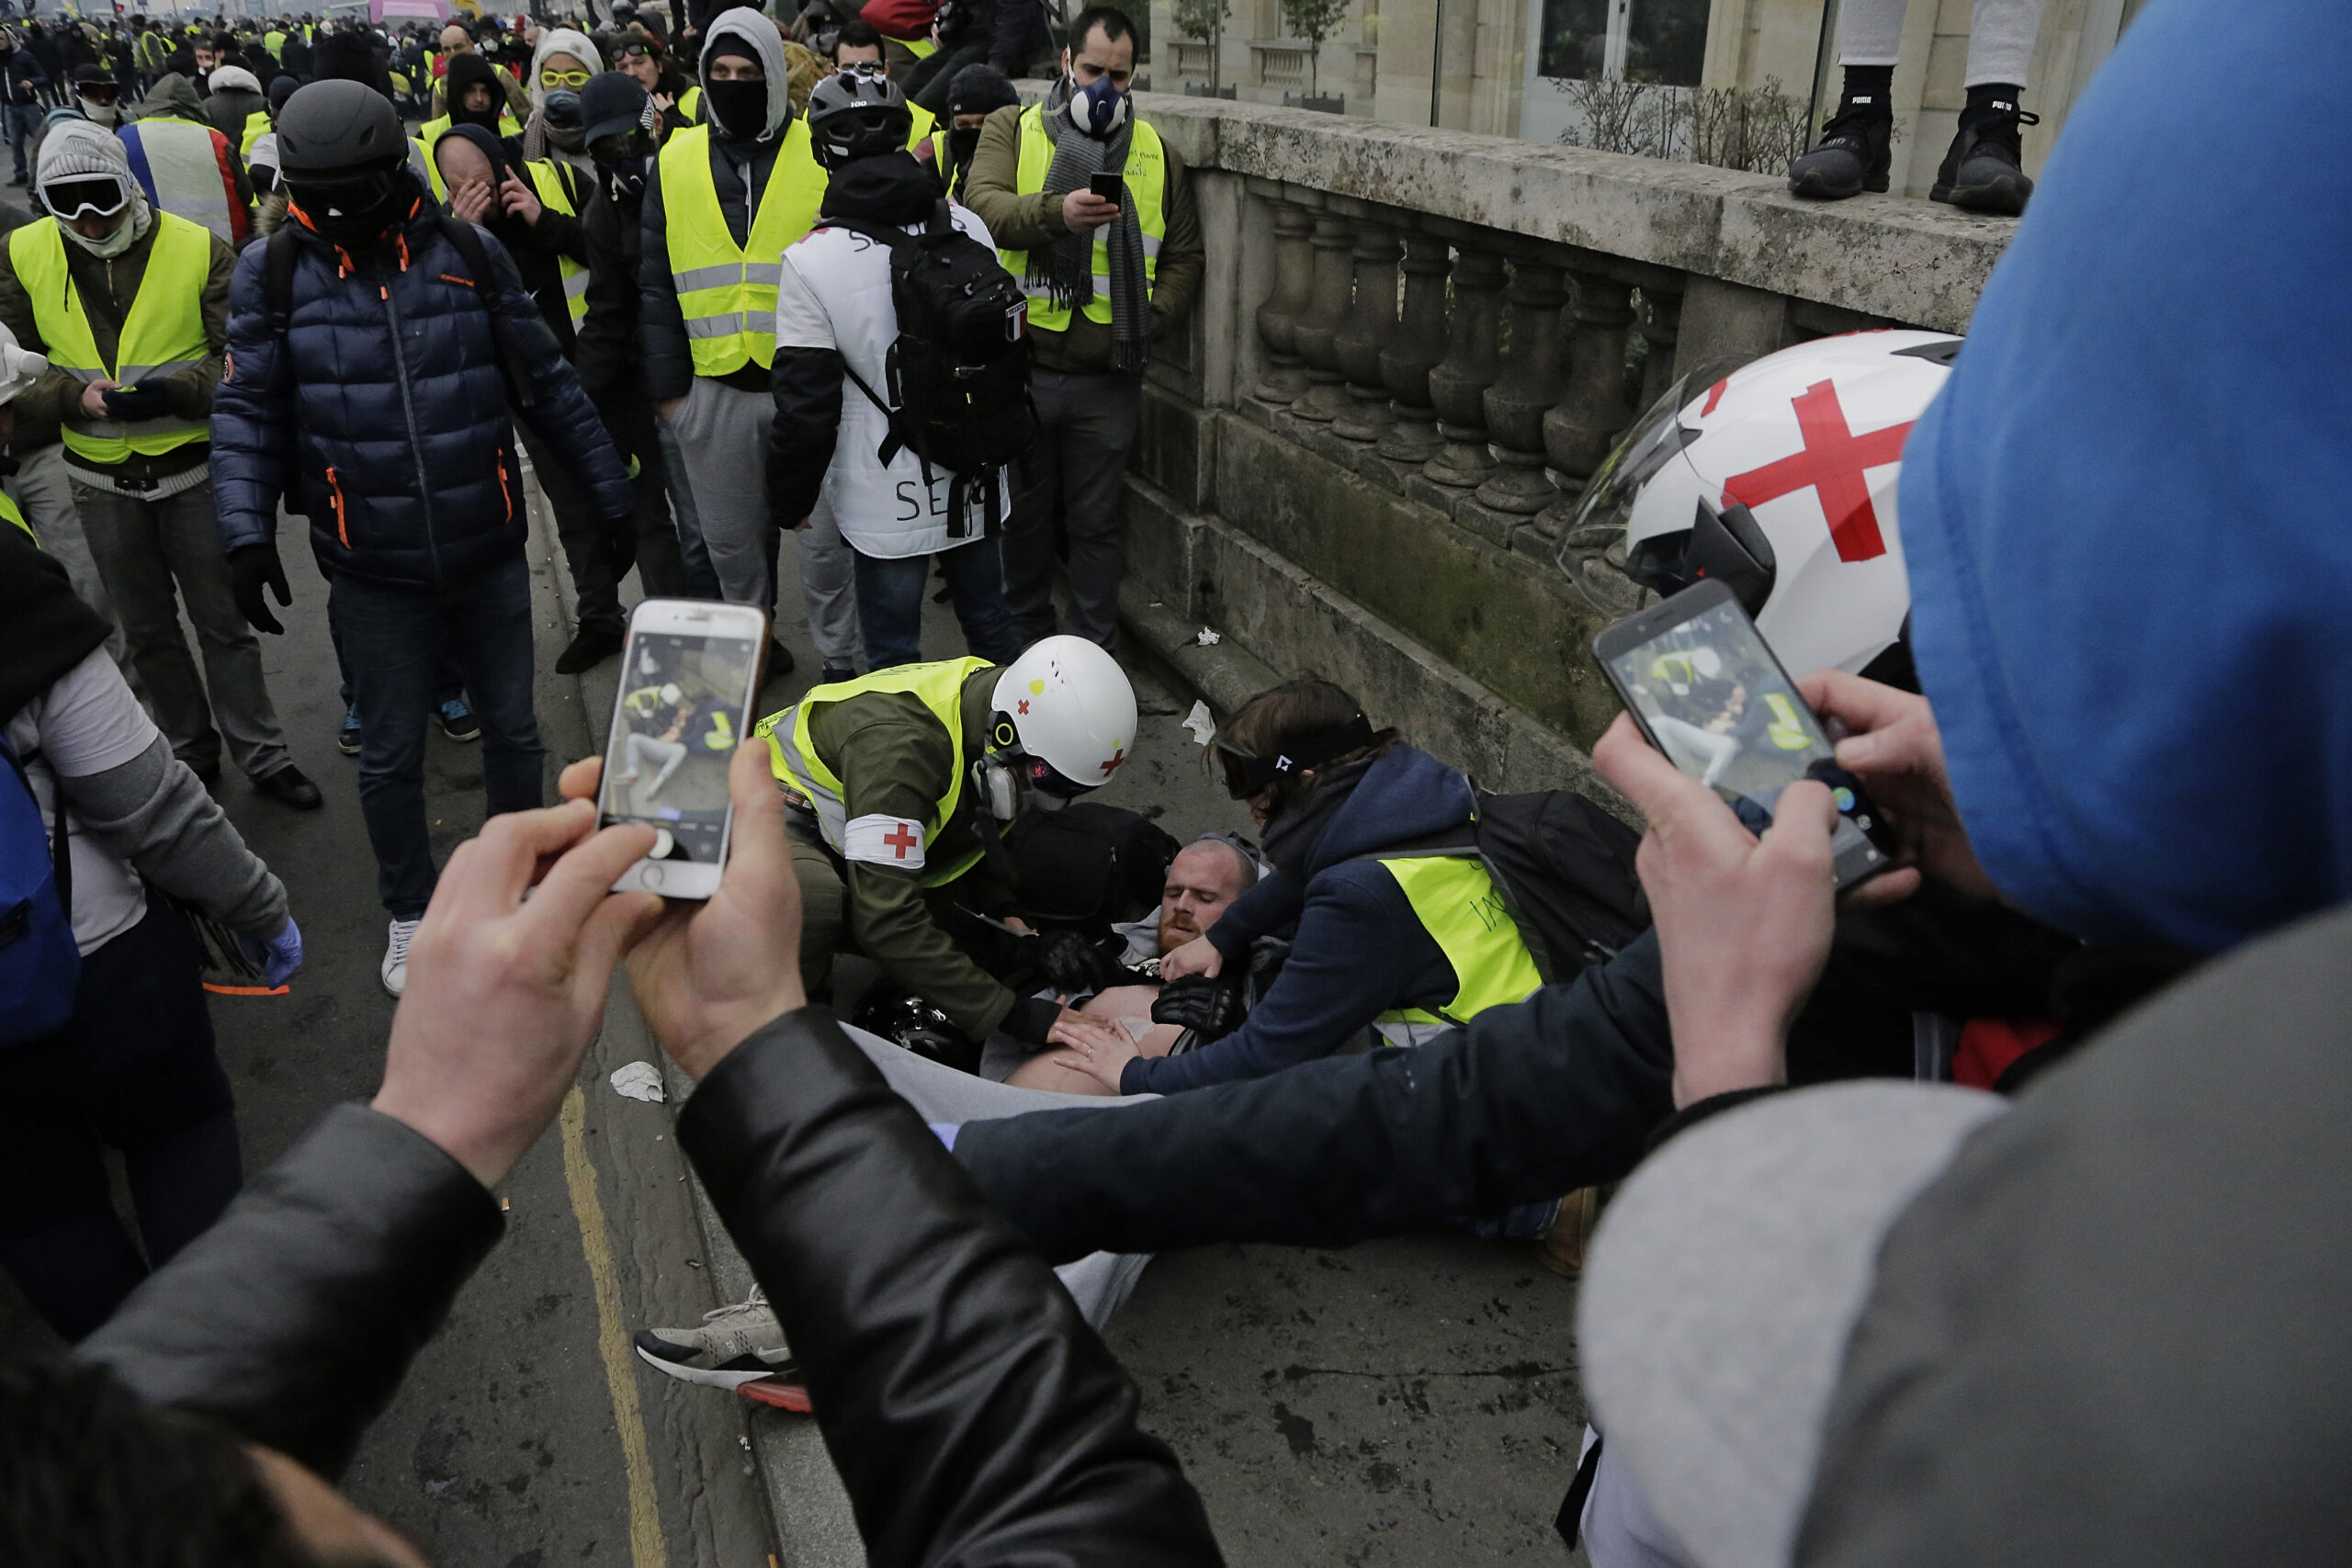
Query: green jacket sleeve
pixel 1181 254
pixel 894 760
pixel 1016 222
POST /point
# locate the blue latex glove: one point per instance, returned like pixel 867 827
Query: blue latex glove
pixel 279 958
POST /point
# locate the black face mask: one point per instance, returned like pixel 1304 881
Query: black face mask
pixel 357 214
pixel 962 145
pixel 623 176
pixel 741 108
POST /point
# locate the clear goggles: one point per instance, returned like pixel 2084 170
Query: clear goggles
pixel 100 198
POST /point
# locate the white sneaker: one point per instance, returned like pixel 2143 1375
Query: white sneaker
pixel 395 968
pixel 737 1345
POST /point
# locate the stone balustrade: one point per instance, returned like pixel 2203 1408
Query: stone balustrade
pixel 1411 349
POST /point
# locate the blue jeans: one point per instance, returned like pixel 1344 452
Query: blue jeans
pixel 889 604
pixel 394 641
pixel 23 120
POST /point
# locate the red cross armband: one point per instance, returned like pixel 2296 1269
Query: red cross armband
pixel 884 840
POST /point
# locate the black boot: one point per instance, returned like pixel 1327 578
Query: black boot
pixel 596 642
pixel 1851 156
pixel 1981 172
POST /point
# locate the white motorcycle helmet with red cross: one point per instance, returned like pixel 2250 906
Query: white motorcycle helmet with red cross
pixel 1776 477
pixel 1064 722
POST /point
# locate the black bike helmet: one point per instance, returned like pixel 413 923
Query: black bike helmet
pixel 857 114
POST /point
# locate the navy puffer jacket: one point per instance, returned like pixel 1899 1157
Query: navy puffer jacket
pixel 403 461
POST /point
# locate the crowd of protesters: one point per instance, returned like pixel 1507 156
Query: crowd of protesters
pixel 1980 1214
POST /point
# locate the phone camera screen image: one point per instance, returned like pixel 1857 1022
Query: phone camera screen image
pixel 677 731
pixel 1713 698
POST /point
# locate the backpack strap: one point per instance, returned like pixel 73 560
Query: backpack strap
pixel 279 271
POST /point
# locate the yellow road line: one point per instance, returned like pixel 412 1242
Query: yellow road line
pixel 645 1544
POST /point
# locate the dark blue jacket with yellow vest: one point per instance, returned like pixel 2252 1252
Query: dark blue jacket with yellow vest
pixel 386 421
pixel 1367 948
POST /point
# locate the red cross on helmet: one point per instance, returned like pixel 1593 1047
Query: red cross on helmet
pixel 1072 714
pixel 1776 477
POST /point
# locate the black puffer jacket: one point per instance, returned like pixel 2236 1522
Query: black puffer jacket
pixel 972 1415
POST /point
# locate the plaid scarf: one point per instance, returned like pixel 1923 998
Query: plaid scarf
pixel 1064 269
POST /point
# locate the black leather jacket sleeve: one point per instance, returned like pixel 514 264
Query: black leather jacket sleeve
pixel 974 1418
pixel 293 1320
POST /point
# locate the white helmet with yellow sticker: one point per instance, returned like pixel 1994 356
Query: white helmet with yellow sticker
pixel 1064 718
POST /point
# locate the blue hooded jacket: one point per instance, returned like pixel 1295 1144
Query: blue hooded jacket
pixel 387 420
pixel 2125 517
pixel 1360 952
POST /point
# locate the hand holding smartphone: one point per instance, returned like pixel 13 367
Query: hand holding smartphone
pixel 689 676
pixel 1112 188
pixel 1699 681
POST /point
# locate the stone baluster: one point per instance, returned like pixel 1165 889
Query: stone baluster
pixel 1458 383
pixel 1529 382
pixel 1414 352
pixel 1579 429
pixel 1661 329
pixel 1332 297
pixel 1284 379
pixel 1370 326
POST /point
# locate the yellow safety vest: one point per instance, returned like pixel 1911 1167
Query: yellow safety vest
pixel 1456 903
pixel 792 755
pixel 276 44
pixel 256 127
pixel 918 47
pixel 548 180
pixel 690 103
pixel 727 295
pixel 433 130
pixel 1146 176
pixel 8 510
pixel 163 332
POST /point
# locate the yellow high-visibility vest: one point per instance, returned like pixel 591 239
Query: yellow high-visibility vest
pixel 549 182
pixel 1456 903
pixel 690 103
pixel 256 127
pixel 163 332
pixel 792 755
pixel 728 295
pixel 1146 183
pixel 8 511
pixel 276 43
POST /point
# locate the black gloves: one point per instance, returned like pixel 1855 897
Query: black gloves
pixel 1209 1008
pixel 1068 962
pixel 128 403
pixel 253 567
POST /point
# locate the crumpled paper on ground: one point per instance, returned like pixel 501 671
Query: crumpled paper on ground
pixel 1208 638
pixel 1202 723
pixel 640 1080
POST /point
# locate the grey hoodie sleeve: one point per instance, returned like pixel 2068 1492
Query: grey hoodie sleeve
pixel 152 812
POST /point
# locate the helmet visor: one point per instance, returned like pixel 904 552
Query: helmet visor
pixel 1593 548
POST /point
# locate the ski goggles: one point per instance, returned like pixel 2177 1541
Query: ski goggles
pixel 1246 776
pixel 638 48
pixel 100 198
pixel 563 78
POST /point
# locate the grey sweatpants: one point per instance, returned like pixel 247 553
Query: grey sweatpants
pixel 157 556
pixel 723 434
pixel 45 496
pixel 1099 1283
pixel 2000 37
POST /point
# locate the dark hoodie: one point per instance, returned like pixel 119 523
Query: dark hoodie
pixel 1361 951
pixel 467 71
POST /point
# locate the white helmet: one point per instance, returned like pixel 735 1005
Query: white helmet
pixel 1777 478
pixel 670 692
pixel 19 368
pixel 1065 717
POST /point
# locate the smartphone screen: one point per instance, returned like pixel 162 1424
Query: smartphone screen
pixel 1112 188
pixel 679 715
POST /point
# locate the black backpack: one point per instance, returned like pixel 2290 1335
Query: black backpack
pixel 1564 867
pixel 958 372
pixel 1089 865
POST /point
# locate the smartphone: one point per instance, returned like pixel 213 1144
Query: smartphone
pixel 688 677
pixel 1699 679
pixel 1112 188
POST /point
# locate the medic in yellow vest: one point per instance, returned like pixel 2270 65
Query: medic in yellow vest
pixel 1389 934
pixel 901 782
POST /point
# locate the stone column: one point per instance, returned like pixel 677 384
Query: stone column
pixel 1661 327
pixel 1369 328
pixel 1285 377
pixel 1419 343
pixel 1458 383
pixel 1330 298
pixel 1529 385
pixel 1580 428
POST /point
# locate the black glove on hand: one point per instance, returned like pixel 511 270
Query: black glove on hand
pixel 1210 1008
pixel 1068 962
pixel 136 402
pixel 253 567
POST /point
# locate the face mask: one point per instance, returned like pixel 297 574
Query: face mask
pixel 1099 109
pixel 740 107
pixel 100 114
pixel 624 176
pixel 962 146
pixel 563 120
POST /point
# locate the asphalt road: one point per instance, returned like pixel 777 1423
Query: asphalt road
pixel 1407 1401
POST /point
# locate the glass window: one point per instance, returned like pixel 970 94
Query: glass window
pixel 1576 39
pixel 1666 41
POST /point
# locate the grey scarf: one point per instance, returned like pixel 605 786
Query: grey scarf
pixel 1066 268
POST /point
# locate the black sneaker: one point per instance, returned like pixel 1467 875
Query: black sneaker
pixel 457 720
pixel 1981 171
pixel 779 660
pixel 346 738
pixel 596 642
pixel 1851 157
pixel 834 675
pixel 288 787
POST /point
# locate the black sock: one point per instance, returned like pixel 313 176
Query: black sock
pixel 1990 99
pixel 1870 86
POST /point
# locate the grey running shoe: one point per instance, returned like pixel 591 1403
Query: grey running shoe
pixel 737 1346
